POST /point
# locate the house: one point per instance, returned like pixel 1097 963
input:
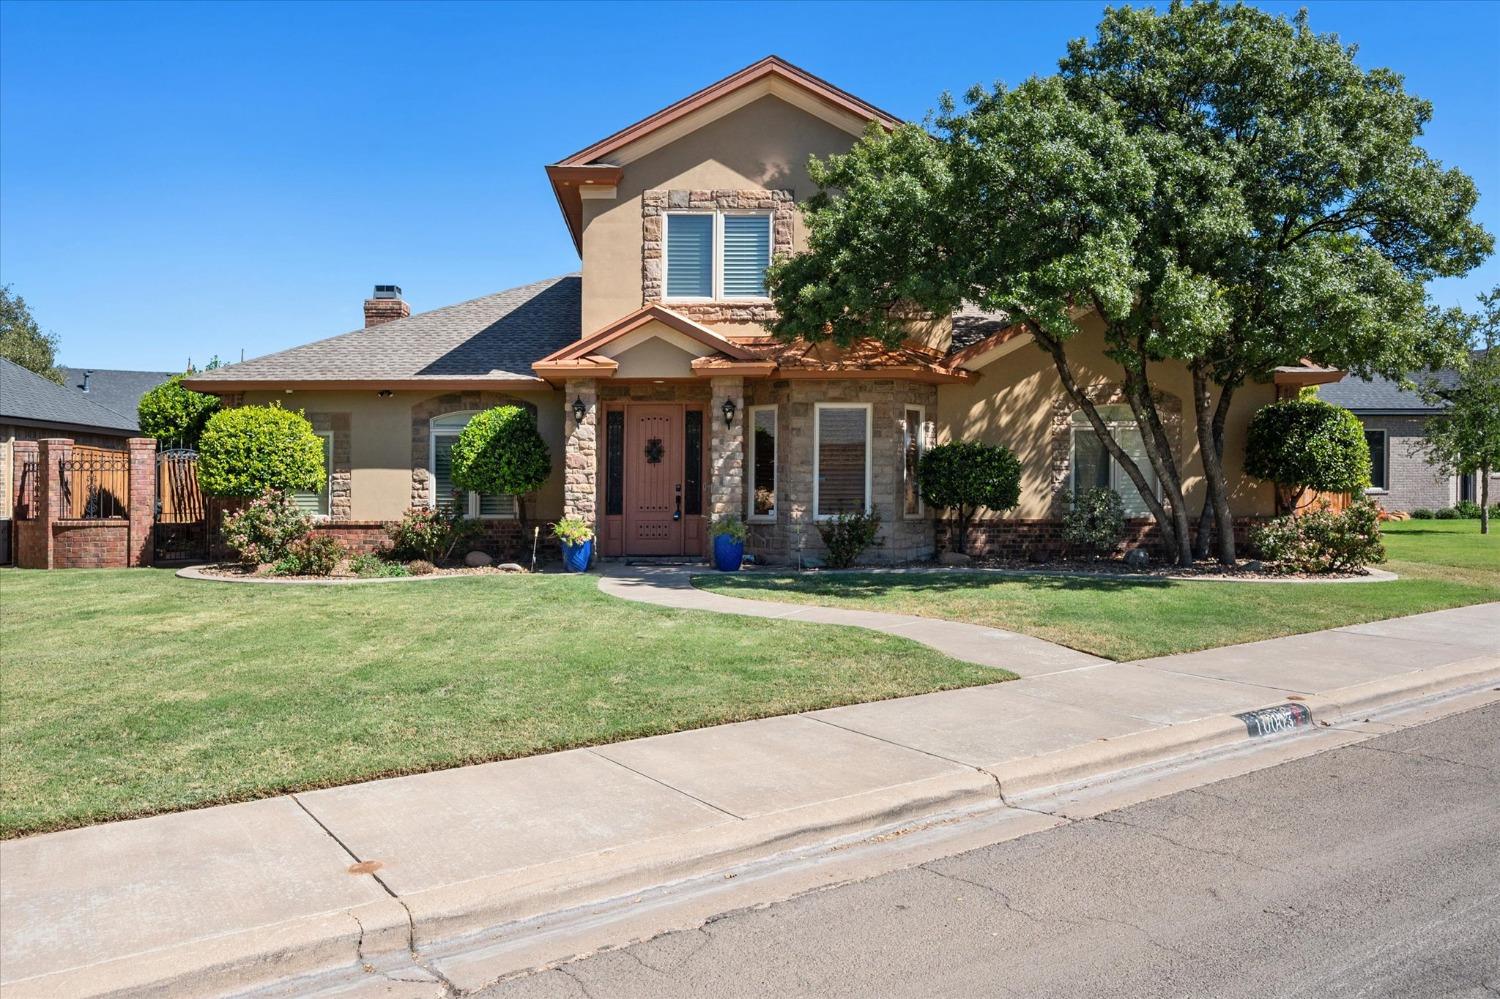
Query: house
pixel 32 408
pixel 664 399
pixel 1395 418
pixel 115 389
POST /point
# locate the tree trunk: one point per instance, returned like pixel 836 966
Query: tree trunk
pixel 1168 524
pixel 1213 466
pixel 1484 499
pixel 963 529
pixel 1159 453
pixel 521 522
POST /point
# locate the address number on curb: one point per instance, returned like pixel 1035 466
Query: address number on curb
pixel 1274 721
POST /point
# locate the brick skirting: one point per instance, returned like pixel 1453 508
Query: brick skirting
pixel 1044 538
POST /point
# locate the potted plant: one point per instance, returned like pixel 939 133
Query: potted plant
pixel 729 543
pixel 577 539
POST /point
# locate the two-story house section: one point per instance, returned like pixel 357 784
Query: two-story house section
pixel 662 395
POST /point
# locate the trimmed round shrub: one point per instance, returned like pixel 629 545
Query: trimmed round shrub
pixel 1421 513
pixel 250 449
pixel 175 414
pixel 1446 513
pixel 499 452
pixel 967 475
pixel 1302 444
pixel 1096 520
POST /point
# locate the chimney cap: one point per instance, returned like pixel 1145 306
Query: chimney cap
pixel 388 291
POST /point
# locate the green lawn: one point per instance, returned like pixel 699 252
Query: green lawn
pixel 130 692
pixel 1441 564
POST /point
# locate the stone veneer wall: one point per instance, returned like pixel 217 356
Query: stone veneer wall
pixel 901 539
pixel 726 449
pixel 655 204
pixel 581 452
pixel 340 502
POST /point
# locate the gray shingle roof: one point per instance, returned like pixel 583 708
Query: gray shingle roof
pixel 497 336
pixel 120 391
pixel 1381 395
pixel 970 325
pixel 25 395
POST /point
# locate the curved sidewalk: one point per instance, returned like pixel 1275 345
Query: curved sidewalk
pixel 672 586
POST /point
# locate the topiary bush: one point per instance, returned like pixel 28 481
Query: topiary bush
pixel 499 452
pixel 314 555
pixel 1322 541
pixel 1096 520
pixel 1421 513
pixel 967 475
pixel 1302 444
pixel 847 535
pixel 430 533
pixel 265 530
pixel 175 414
pixel 250 449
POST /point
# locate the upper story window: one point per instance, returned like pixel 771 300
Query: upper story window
pixel 717 255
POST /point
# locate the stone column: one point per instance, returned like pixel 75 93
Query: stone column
pixel 726 450
pixel 581 452
pixel 141 502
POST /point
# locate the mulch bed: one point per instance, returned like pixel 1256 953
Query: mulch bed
pixel 233 570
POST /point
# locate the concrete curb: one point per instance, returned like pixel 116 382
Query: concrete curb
pixel 477 909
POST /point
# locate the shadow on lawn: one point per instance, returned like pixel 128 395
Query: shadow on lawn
pixel 854 586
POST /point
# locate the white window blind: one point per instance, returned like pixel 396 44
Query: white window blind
pixel 747 254
pixel 690 256
pixel 1093 466
pixel 842 460
pixel 316 503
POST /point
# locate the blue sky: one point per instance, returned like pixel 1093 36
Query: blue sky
pixel 184 180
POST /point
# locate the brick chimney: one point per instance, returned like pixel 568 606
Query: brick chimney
pixel 386 304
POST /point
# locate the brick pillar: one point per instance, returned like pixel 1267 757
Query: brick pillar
pixel 142 500
pixel 52 501
pixel 24 533
pixel 726 450
pixel 581 452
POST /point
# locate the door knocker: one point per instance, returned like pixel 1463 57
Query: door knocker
pixel 654 451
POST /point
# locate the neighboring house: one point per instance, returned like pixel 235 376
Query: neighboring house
pixel 120 391
pixel 31 408
pixel 664 399
pixel 1395 421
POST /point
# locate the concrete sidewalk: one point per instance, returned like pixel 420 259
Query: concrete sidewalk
pixel 220 899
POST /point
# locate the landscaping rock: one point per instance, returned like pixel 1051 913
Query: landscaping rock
pixel 954 558
pixel 478 560
pixel 1138 558
pixel 510 567
pixel 1254 565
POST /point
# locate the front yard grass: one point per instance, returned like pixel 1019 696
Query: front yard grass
pixel 129 692
pixel 1441 564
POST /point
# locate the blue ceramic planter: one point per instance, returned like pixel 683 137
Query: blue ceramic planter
pixel 728 553
pixel 576 558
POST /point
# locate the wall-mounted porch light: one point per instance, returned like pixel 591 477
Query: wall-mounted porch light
pixel 579 409
pixel 728 408
pixel 385 393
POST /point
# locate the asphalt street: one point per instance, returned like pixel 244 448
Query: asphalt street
pixel 1371 870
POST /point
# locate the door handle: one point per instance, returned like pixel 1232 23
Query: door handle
pixel 677 513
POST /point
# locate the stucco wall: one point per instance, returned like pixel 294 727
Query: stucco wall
pixel 764 145
pixel 381 454
pixel 1018 397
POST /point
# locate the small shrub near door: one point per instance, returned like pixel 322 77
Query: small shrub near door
pixel 847 536
pixel 315 555
pixel 1322 541
pixel 1096 521
pixel 264 531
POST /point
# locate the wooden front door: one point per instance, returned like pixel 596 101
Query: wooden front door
pixel 654 486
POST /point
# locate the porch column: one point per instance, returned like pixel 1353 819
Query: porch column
pixel 141 503
pixel 726 451
pixel 581 452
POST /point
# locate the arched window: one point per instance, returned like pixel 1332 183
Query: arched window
pixel 1092 465
pixel 445 430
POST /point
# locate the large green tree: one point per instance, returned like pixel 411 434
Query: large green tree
pixel 1465 437
pixel 23 341
pixel 1223 188
pixel 172 413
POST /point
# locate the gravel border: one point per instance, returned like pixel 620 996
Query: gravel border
pixel 1370 576
pixel 196 572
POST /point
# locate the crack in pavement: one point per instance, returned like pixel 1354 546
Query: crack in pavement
pixel 1226 854
pixel 1423 756
pixel 572 976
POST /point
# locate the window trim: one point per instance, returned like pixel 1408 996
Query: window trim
pixel 818 408
pixel 750 515
pixel 1073 431
pixel 325 495
pixel 716 247
pixel 1385 461
pixel 471 505
pixel 921 437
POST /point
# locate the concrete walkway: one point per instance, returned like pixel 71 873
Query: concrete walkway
pixel 214 900
pixel 672 586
